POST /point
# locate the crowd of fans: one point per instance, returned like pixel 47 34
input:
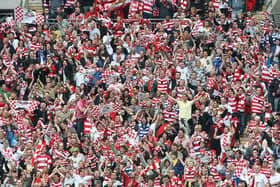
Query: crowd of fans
pixel 103 96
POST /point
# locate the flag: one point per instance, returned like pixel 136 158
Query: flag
pixel 117 107
pixel 39 19
pixel 3 122
pixel 132 136
pixel 95 111
pixel 116 5
pixel 10 21
pixel 184 4
pixel 216 4
pixel 30 106
pixel 112 107
pixel 23 15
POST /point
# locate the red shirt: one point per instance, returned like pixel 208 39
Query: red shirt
pixel 80 104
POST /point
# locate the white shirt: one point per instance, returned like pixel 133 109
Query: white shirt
pixel 14 43
pixel 95 134
pixel 80 79
pixel 81 180
pixel 69 180
pixel 185 73
pixel 274 179
pixel 260 180
pixel 76 160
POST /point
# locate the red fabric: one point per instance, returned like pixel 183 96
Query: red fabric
pixel 161 130
pixel 128 180
pixel 251 5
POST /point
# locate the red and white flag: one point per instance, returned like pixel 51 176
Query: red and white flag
pixel 10 21
pixel 113 107
pixel 95 111
pixel 30 106
pixel 184 4
pixel 216 4
pixel 39 19
pixel 3 122
pixel 116 107
pixel 132 136
pixel 23 15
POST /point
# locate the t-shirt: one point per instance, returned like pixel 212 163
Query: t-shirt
pixel 80 104
pixel 261 180
pixel 185 109
pixel 76 160
pixel 274 179
pixel 81 180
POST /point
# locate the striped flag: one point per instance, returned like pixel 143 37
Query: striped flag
pixel 216 4
pixel 95 111
pixel 117 107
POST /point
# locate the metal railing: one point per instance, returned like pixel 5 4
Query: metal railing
pixel 276 19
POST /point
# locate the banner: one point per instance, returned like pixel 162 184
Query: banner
pixel 23 15
pixel 116 5
pixel 30 106
pixel 98 111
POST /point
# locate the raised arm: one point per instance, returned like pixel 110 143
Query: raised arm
pixel 172 98
pixel 215 134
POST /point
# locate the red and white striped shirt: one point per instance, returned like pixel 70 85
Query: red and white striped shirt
pixel 266 172
pixel 34 47
pixel 134 8
pixel 232 102
pixel 69 3
pixel 212 84
pixel 181 91
pixel 155 101
pixel 257 104
pixel 87 126
pixel 225 140
pixel 241 103
pixel 197 138
pixel 168 25
pixel 189 174
pixel 148 6
pixel 170 116
pixel 162 85
pixel 43 161
pixel 266 74
pixel 214 172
